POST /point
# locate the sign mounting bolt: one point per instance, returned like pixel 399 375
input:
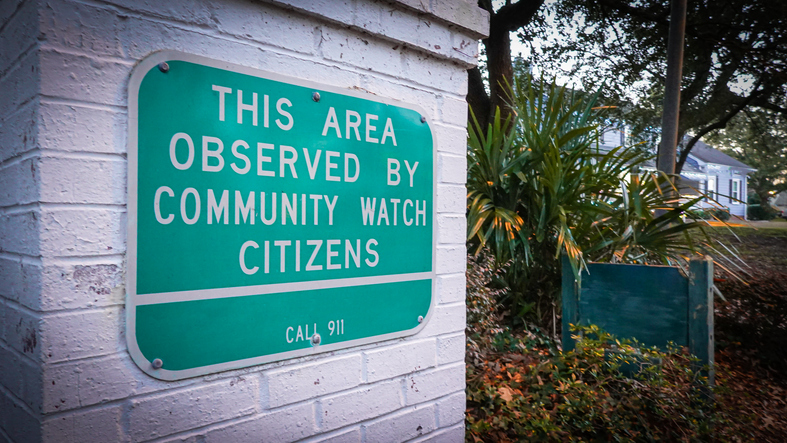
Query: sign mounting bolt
pixel 316 339
pixel 316 96
pixel 423 119
pixel 420 319
pixel 163 66
pixel 157 363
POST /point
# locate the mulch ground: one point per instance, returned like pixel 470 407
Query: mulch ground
pixel 751 334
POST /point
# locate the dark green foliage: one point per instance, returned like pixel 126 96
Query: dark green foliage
pixel 757 210
pixel 620 45
pixel 531 392
pixel 539 186
pixel 719 214
pixel 759 139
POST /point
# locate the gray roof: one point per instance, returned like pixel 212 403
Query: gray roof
pixel 709 155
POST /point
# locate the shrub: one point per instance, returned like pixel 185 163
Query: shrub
pixel 538 186
pixel 543 394
pixel 757 210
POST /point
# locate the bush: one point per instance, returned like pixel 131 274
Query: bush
pixel 719 214
pixel 757 210
pixel 538 186
pixel 538 393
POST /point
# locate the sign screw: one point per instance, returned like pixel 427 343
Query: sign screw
pixel 163 66
pixel 157 363
pixel 316 96
pixel 420 319
pixel 316 339
pixel 423 119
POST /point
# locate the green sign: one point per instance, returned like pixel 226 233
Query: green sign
pixel 270 217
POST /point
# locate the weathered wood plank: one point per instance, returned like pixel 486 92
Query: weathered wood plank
pixel 700 311
pixel 634 301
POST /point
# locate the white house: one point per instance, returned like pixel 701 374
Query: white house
pixel 709 170
pixel 719 175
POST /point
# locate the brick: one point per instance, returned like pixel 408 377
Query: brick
pixel 321 73
pixel 453 111
pixel 21 376
pixel 17 422
pixel 20 281
pixel 451 260
pixel 19 233
pixel 78 180
pixel 369 16
pixel 451 288
pixel 362 51
pixel 18 35
pixel 465 14
pixel 451 139
pixel 445 320
pixel 453 434
pixel 80 231
pixel 8 9
pixel 451 410
pixel 173 412
pixel 467 48
pixel 292 385
pixel 62 388
pixel 19 182
pixel 18 131
pixel 393 361
pixel 418 5
pixel 83 78
pixel 335 10
pixel 70 286
pixel 400 92
pixel 404 425
pixel 352 435
pixel 186 12
pixel 283 425
pixel 265 24
pixel 452 169
pixel 78 128
pixel 437 74
pixel 20 84
pixel 425 386
pixel 451 229
pixel 416 30
pixel 81 334
pixel 87 382
pixel 139 37
pixel 99 380
pixel 188 438
pixel 451 349
pixel 355 406
pixel 451 198
pixel 92 425
pixel 77 26
pixel 22 331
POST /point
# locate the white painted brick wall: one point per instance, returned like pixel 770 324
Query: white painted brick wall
pixel 99 424
pixel 403 425
pixel 391 362
pixel 165 414
pixel 65 373
pixel 294 384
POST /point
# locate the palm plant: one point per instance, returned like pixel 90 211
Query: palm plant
pixel 538 186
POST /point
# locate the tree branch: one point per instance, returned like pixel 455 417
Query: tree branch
pixel 720 124
pixel 513 16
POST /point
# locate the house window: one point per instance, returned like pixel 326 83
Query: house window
pixel 710 189
pixel 735 189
